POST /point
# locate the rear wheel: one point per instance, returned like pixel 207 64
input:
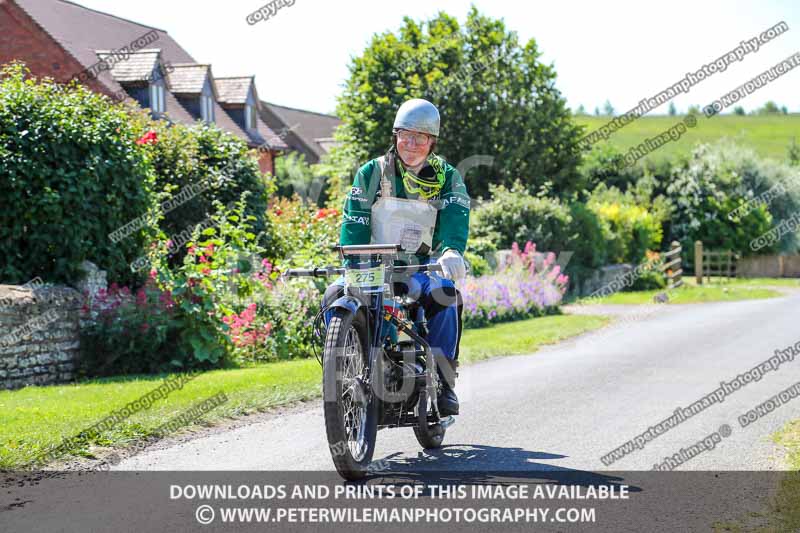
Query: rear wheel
pixel 429 435
pixel 350 417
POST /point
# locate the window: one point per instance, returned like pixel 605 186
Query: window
pixel 157 102
pixel 207 108
pixel 250 117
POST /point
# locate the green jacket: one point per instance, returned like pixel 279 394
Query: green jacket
pixel 452 202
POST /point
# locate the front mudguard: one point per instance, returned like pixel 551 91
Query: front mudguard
pixel 348 303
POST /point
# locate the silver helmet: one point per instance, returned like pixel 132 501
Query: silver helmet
pixel 418 115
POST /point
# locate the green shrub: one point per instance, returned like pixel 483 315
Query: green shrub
pixel 717 180
pixel 630 228
pixel 308 234
pixel 294 175
pixel 605 163
pixel 71 173
pixel 478 265
pixel 649 281
pixel 513 215
pixel 206 158
pixel 127 334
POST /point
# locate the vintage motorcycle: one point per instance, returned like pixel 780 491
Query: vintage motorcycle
pixel 372 378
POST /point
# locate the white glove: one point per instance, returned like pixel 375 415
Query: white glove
pixel 453 266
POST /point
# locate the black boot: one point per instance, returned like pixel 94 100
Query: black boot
pixel 447 401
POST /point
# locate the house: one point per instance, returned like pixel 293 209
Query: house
pixel 307 132
pixel 126 60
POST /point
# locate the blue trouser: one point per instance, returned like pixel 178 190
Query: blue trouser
pixel 437 296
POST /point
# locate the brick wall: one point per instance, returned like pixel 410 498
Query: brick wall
pixel 266 162
pixel 39 335
pixel 21 38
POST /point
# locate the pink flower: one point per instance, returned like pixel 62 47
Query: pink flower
pixel 206 271
pixel 529 247
pixel 153 274
pixel 166 299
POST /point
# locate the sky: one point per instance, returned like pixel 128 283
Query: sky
pixel 620 51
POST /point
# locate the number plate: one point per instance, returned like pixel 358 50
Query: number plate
pixel 369 277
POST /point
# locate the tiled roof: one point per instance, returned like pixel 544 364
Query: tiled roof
pixel 83 31
pixel 176 112
pixel 311 133
pixel 234 90
pixel 188 78
pixel 138 67
pixel 265 134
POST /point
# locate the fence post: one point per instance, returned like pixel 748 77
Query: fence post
pixel 675 279
pixel 698 261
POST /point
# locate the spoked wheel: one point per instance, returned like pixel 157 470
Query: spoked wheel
pixel 429 435
pixel 350 419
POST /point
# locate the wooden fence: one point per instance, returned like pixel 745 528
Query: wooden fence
pixel 672 267
pixel 709 263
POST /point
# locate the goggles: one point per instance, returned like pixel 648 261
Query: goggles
pixel 424 186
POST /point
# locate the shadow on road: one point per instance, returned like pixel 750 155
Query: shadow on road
pixel 470 463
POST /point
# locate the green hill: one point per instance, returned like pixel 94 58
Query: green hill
pixel 768 135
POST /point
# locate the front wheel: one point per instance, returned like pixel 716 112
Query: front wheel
pixel 351 413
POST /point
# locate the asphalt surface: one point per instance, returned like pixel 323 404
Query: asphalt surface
pixel 544 419
pixel 565 406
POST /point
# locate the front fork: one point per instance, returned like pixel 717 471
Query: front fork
pixel 376 350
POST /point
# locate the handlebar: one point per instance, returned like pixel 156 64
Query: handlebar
pixel 332 271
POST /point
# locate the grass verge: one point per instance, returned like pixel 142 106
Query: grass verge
pixel 34 419
pixel 690 293
pixel 783 512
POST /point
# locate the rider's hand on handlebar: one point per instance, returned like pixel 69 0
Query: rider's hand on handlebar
pixel 453 266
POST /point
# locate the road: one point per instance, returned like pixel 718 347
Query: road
pixel 566 406
pixel 544 419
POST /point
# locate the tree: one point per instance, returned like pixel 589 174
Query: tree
pixel 693 110
pixel 784 110
pixel 608 109
pixel 596 111
pixel 581 110
pixel 672 110
pixel 769 108
pixel 495 97
pixel 738 110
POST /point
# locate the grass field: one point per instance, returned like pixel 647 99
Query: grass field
pixel 768 136
pixel 35 418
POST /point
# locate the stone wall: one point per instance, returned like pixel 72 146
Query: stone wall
pixel 39 335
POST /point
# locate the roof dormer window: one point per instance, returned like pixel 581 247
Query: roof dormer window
pixel 250 116
pixel 158 103
pixel 207 108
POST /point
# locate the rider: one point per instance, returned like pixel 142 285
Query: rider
pixel 413 197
